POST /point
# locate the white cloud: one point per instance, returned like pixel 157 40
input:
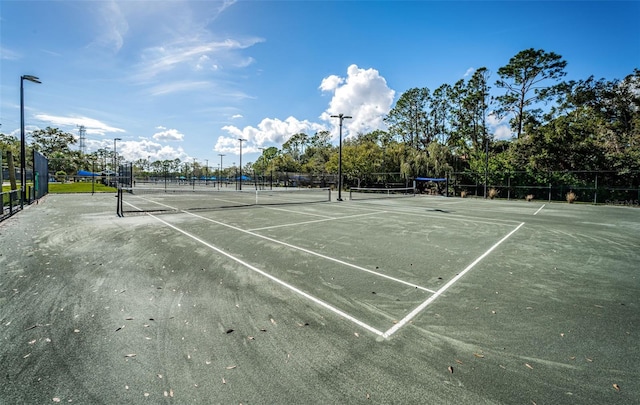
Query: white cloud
pixel 168 135
pixel 499 126
pixel 331 83
pixel 113 26
pixel 236 116
pixel 193 53
pixel 268 132
pixel 502 132
pixel 173 87
pixel 8 54
pixel 91 125
pixel 469 71
pixel 363 94
pixel 143 149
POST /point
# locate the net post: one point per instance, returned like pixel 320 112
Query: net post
pixel 119 203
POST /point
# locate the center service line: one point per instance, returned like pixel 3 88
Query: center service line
pixel 539 209
pixel 277 280
pixel 451 282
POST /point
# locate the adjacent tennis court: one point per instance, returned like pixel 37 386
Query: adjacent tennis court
pixel 248 298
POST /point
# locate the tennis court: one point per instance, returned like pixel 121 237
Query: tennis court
pixel 393 300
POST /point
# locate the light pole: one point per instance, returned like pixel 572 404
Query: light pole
pixel 23 153
pixel 241 140
pixel 206 172
pixel 220 171
pixel 341 117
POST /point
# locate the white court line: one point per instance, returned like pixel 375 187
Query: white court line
pixel 539 209
pixel 451 282
pixel 311 252
pixel 277 280
pixel 299 248
pixel 314 221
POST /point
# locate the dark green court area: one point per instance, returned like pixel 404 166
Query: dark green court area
pixel 408 300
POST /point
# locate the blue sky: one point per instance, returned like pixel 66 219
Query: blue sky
pixel 186 79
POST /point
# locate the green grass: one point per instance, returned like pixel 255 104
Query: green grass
pixel 80 187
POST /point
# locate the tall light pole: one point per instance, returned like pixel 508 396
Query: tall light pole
pixel 241 140
pixel 220 171
pixel 341 117
pixel 23 153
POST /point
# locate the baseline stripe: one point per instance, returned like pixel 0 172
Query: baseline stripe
pixel 445 287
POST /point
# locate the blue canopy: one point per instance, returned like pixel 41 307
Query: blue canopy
pixel 86 173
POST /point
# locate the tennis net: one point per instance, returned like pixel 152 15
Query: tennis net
pixel 161 200
pixel 364 193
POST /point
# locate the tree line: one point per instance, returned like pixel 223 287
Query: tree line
pixel 558 129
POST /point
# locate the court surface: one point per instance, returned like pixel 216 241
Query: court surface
pixel 402 300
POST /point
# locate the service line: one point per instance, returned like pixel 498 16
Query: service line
pixel 445 287
pixel 314 221
pixel 539 209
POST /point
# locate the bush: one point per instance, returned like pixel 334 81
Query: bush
pixel 61 176
pixel 571 197
pixel 529 197
pixel 493 193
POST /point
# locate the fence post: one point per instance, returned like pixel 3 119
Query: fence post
pixel 509 188
pixel 549 192
pixel 595 193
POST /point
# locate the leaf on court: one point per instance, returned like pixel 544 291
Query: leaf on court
pixel 120 328
pixel 529 365
pixel 478 355
pixel 76 331
pixel 171 392
pixel 616 387
pixel 159 375
pixel 130 355
pixel 263 330
pixel 56 399
pixel 224 381
pixel 251 338
pixel 368 396
pixel 231 367
pixel 129 318
pixel 450 369
pixel 273 321
pixel 32 341
pixel 459 361
pixel 356 334
pixel 229 331
pixel 588 359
